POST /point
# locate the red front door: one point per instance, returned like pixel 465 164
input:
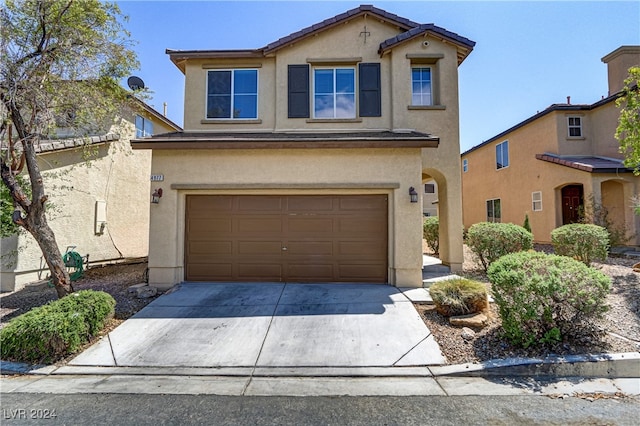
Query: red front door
pixel 572 201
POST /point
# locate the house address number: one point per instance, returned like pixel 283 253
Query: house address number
pixel 157 178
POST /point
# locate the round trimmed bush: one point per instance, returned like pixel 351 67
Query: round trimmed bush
pixel 458 296
pixel 431 233
pixel 490 241
pixel 583 242
pixel 59 328
pixel 545 298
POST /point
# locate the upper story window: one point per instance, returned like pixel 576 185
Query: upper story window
pixel 575 127
pixel 421 94
pixel 232 94
pixel 144 127
pixel 328 92
pixel 334 94
pixel 502 155
pixel 465 165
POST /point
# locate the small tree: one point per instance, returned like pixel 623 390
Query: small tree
pixel 526 224
pixel 628 130
pixel 61 62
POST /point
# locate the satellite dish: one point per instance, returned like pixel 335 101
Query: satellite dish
pixel 135 83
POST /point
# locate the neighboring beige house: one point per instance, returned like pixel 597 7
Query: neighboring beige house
pixel 550 165
pixel 297 158
pixel 100 206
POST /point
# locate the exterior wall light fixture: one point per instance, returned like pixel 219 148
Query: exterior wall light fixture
pixel 155 197
pixel 413 195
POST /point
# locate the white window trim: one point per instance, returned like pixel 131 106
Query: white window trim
pixel 355 91
pixel 536 197
pixel 431 74
pixel 569 127
pixel 508 155
pixel 206 95
pixel 465 165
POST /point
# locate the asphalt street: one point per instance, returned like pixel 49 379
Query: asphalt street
pixel 94 409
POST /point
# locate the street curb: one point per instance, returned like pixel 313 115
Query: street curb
pixel 612 366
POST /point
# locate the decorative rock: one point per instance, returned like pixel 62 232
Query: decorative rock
pixel 134 288
pixel 471 320
pixel 146 292
pixel 467 333
pixel 636 267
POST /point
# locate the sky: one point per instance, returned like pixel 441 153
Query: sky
pixel 528 55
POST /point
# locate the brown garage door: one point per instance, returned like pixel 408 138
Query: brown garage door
pixel 286 238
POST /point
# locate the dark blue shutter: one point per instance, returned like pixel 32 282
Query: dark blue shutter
pixel 298 86
pixel 370 97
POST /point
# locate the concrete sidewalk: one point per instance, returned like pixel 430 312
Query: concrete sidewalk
pixel 267 325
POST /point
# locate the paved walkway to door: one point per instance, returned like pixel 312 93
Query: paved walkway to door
pixel 271 325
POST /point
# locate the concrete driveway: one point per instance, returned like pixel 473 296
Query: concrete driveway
pixel 270 325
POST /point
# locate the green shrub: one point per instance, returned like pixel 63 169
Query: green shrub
pixel 431 233
pixel 583 242
pixel 57 329
pixel 458 296
pixel 526 225
pixel 545 298
pixel 490 241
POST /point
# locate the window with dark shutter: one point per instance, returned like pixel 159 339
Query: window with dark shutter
pixel 370 97
pixel 298 86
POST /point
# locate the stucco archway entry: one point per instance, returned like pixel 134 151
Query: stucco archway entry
pixel 449 211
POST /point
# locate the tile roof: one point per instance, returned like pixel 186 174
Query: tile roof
pixel 230 140
pixel 51 145
pixel 421 29
pixel 590 164
pixel 403 23
pixel 409 28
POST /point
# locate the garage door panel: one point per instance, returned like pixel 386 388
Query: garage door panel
pixel 312 203
pixel 363 225
pixel 210 247
pixel 202 206
pixel 257 225
pixel 261 204
pixel 309 224
pixel 259 271
pixel 310 248
pixel 328 238
pixel 262 248
pixel 313 272
pixel 200 228
pixel 210 271
pixel 370 248
pixel 370 272
pixel 363 203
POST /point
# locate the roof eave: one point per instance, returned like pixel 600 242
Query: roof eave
pixel 178 57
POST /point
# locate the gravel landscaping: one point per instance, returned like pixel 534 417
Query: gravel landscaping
pixel 620 327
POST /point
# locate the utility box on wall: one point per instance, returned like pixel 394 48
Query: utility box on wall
pixel 101 217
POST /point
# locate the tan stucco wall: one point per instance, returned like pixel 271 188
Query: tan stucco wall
pixel 335 171
pixel 117 175
pixel 618 63
pixel 514 185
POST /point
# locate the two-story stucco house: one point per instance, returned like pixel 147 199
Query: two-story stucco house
pixel 101 207
pixel 555 164
pixel 298 160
